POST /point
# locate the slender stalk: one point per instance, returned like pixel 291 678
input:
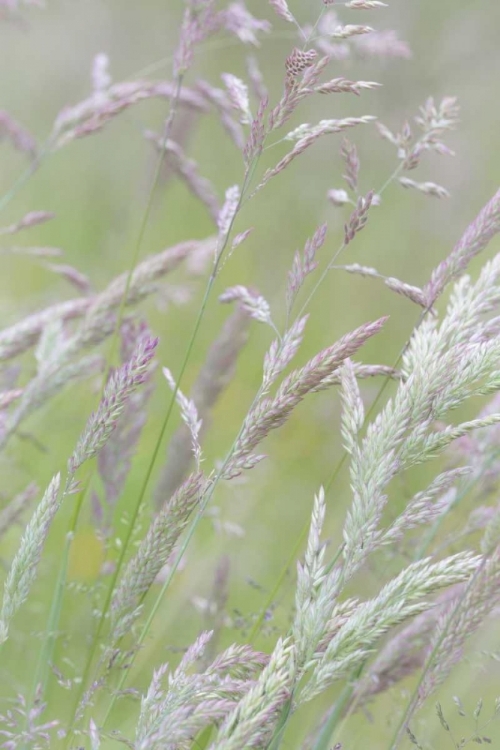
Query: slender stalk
pixel 145 221
pixel 346 695
pixel 333 476
pixel 211 489
pixel 135 258
pixel 324 739
pixel 47 649
pixel 422 551
pixel 332 260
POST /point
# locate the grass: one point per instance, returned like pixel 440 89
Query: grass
pixel 226 554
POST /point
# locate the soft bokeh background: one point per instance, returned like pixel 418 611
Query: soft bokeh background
pixel 98 189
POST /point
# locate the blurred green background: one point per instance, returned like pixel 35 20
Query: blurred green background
pixel 98 189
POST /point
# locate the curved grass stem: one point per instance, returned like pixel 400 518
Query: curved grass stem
pixel 210 491
pixel 111 354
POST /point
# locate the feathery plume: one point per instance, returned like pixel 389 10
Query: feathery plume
pixel 460 621
pixel 189 414
pixel 282 10
pixel 187 170
pixel 118 389
pixel 153 553
pixel 31 219
pixel 303 266
pixel 476 237
pixel 215 375
pixel 401 598
pixel 238 95
pixel 253 719
pixel 270 413
pixel 24 566
pixel 251 302
pixel 17 134
pixel 11 512
pixel 96 310
pixel 282 351
pixel 115 457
